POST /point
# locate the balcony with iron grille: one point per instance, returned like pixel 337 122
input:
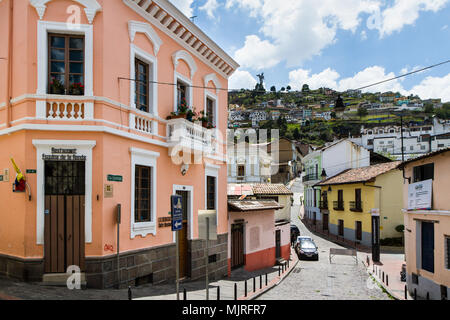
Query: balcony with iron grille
pixel 356 206
pixel 338 205
pixel 323 204
pixel 311 177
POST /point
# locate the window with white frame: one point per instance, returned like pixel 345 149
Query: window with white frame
pixel 210 111
pixel 144 90
pixel 143 192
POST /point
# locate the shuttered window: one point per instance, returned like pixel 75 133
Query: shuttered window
pixel 142 194
pixel 211 193
pixel 142 92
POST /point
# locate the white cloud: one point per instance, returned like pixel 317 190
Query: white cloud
pixel 444 27
pixel 406 12
pixel 242 80
pixel 433 87
pixel 210 7
pixel 430 87
pixel 363 35
pixel 332 79
pixel 184 6
pixel 257 54
pixel 297 30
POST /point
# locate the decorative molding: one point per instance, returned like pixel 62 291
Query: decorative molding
pixel 43 28
pixel 84 148
pixel 149 159
pixel 213 77
pixel 184 55
pixel 91 7
pixel 145 28
pixel 166 17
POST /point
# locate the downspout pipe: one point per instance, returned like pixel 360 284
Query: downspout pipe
pixel 10 57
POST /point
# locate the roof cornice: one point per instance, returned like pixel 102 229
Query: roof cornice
pixel 166 17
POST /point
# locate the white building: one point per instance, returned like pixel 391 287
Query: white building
pixel 248 163
pixel 330 161
pixel 417 140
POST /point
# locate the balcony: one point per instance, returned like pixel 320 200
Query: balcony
pixel 185 135
pixel 338 205
pixel 65 109
pixel 356 206
pixel 311 177
pixel 323 205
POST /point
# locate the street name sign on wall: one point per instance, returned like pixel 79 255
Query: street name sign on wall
pixel 420 195
pixel 177 212
pixel 202 215
pixel 115 178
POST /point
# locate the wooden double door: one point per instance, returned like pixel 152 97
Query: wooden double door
pixel 64 232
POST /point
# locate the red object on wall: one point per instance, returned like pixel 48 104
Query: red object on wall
pixel 20 186
pixel 260 259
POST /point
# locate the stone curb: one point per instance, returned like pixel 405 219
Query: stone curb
pixel 385 287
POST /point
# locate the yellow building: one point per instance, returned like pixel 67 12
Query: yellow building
pixel 350 198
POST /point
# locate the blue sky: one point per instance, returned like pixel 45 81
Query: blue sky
pixel 341 44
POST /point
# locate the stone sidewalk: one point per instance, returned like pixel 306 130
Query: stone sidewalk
pixel 387 273
pixel 234 286
pixel 15 290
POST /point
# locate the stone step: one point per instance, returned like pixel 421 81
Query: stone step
pixel 60 279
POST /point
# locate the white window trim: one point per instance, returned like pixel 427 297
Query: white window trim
pixel 179 77
pixel 149 159
pixel 45 27
pixel 215 99
pixel 190 224
pixel 91 7
pixel 84 147
pixel 152 61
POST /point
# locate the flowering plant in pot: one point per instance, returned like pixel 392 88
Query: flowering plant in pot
pixel 203 119
pixel 76 89
pixel 56 87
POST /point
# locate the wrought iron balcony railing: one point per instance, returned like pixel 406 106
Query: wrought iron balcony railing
pixel 338 205
pixel 311 177
pixel 356 206
pixel 323 205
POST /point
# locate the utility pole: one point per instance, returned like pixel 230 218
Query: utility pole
pixel 401 132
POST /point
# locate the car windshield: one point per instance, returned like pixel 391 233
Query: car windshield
pixel 305 244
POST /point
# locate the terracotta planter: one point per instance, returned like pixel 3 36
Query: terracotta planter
pixel 180 116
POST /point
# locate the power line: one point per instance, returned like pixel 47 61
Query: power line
pixel 265 91
pixel 404 75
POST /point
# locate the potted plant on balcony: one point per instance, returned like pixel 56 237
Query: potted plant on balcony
pixel 203 119
pixel 76 89
pixel 56 87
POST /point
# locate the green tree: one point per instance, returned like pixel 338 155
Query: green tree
pixel 297 135
pixel 273 89
pixel 362 112
pixel 288 88
pixel 305 88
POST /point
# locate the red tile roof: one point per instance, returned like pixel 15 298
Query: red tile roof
pixel 258 189
pixel 360 174
pixel 254 205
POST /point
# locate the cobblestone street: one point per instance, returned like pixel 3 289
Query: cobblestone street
pixel 320 280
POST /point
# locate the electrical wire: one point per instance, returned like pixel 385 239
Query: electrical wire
pixel 265 91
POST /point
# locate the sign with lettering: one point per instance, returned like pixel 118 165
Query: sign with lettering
pixel 177 212
pixel 31 171
pixel 420 195
pixel 114 178
pixel 109 191
pixel 164 222
pixel 59 154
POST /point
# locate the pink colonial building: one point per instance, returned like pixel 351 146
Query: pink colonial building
pixel 92 111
